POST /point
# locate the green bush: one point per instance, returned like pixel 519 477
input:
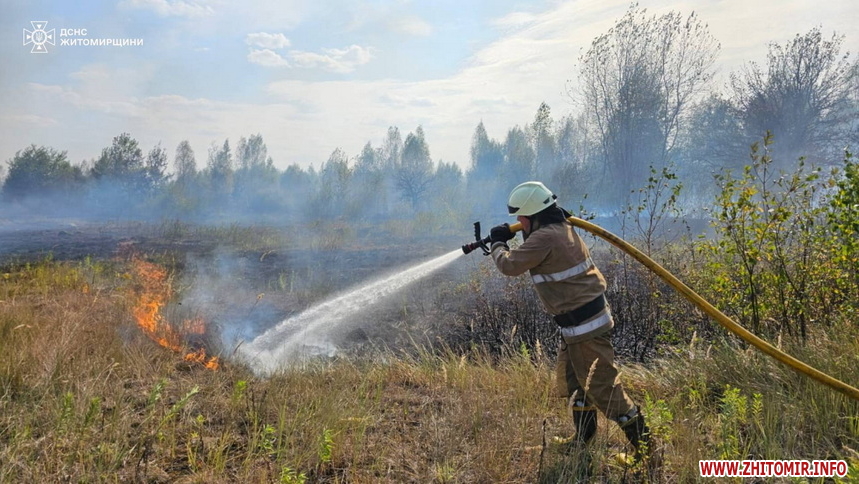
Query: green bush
pixel 774 264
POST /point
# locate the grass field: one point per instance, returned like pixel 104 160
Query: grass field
pixel 87 396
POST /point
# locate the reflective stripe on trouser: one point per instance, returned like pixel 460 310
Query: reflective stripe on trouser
pixel 601 322
pixel 602 385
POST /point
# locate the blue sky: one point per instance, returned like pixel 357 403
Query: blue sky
pixel 312 76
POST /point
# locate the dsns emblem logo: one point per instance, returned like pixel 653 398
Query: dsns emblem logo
pixel 39 37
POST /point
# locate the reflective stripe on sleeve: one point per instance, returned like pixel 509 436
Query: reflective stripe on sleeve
pixel 566 274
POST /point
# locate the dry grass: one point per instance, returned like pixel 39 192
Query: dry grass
pixel 85 397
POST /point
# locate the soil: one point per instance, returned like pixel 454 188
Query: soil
pixel 76 240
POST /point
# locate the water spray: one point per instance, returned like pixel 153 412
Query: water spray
pixel 693 297
pixel 311 332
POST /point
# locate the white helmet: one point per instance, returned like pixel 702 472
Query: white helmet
pixel 529 198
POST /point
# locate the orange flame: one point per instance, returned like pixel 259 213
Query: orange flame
pixel 154 294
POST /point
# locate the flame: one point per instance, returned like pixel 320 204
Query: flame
pixel 154 293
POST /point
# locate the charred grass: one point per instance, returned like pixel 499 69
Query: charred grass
pixel 86 397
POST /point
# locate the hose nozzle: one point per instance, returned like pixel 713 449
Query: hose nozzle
pixel 483 243
pixel 468 248
pixel 479 242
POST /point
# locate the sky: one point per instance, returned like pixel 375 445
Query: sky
pixel 312 76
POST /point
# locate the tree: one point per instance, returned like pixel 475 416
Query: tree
pixel 486 156
pixel 39 171
pixel 448 174
pixel 485 173
pixel 852 106
pixel 255 179
pixel 714 139
pixel 414 173
pixel 392 149
pixel 637 82
pixel 803 98
pixel 184 162
pixel 296 187
pixel 368 187
pixel 334 184
pixel 448 179
pixel 251 153
pixel 185 191
pixel 572 181
pixel 390 156
pixel 518 157
pixel 368 161
pixel 155 169
pixel 122 163
pixel 543 141
pixel 220 172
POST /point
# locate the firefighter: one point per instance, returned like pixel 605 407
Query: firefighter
pixel 572 290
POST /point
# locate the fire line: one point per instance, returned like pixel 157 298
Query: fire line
pixel 152 297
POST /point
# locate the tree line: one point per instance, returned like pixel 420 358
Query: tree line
pixel 645 102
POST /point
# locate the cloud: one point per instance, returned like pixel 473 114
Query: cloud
pixel 403 101
pixel 267 41
pixel 267 58
pixel 446 108
pixel 282 15
pixel 514 20
pixel 334 60
pixel 339 61
pixel 125 107
pixel 30 119
pixel 100 88
pixel 175 8
pixel 389 16
pixel 410 25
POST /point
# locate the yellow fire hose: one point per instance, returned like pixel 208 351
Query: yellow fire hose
pixel 705 306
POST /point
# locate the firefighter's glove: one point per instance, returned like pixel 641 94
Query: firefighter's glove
pixel 500 233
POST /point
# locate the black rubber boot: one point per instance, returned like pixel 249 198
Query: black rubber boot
pixel 585 419
pixel 637 432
